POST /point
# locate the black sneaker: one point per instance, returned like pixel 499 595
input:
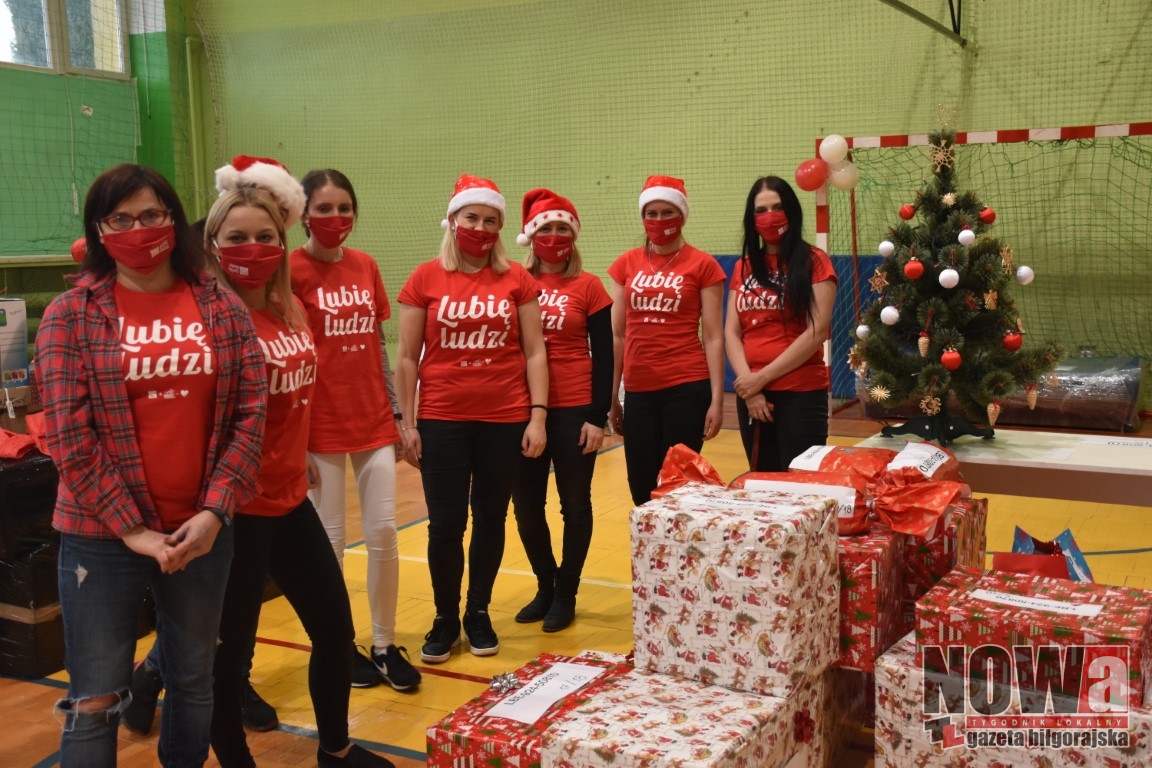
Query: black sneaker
pixel 395 668
pixel 482 640
pixel 146 685
pixel 440 640
pixel 364 672
pixel 257 714
pixel 357 757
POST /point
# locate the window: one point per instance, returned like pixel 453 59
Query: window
pixel 86 36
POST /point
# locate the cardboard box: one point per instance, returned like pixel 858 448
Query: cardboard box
pixel 13 343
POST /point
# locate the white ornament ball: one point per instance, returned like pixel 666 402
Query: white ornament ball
pixel 862 331
pixel 833 148
pixel 949 278
pixel 966 237
pixel 886 248
pixel 1025 275
pixel 890 315
pixel 843 175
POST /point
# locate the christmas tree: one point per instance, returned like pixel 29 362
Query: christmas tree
pixel 944 321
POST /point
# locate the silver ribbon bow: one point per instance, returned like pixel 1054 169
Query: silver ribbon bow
pixel 505 683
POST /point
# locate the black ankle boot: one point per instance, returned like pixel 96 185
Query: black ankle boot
pixel 560 615
pixel 535 610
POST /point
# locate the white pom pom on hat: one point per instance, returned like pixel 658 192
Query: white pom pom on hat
pixel 542 206
pixel 668 189
pixel 267 174
pixel 474 190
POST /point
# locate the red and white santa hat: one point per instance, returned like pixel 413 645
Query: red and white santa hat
pixel 267 174
pixel 473 190
pixel 543 206
pixel 668 189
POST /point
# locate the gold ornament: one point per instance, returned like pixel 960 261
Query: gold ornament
pixel 879 393
pixel 855 359
pixel 878 281
pixel 930 405
pixel 993 413
pixel 922 343
pixel 941 156
pixel 1052 381
pixel 990 299
pixel 948 199
pixel 1031 394
pixel 1007 261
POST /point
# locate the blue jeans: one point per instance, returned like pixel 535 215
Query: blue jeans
pixel 102 585
pixel 574 486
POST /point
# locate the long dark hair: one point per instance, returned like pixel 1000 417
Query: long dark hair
pixel 315 180
pixel 116 185
pixel 794 256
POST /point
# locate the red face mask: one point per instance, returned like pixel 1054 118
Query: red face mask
pixel 663 231
pixel 330 231
pixel 476 243
pixel 250 265
pixel 553 249
pixel 141 249
pixel 772 225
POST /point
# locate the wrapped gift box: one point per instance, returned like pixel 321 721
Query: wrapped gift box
pixel 736 588
pixel 871 596
pixel 972 608
pixel 963 542
pixel 27 499
pixel 31 640
pixel 646 720
pixel 30 580
pixel 470 736
pixel 905 735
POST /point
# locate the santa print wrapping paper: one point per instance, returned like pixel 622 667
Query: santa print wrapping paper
pixel 963 542
pixel 902 740
pixel 736 588
pixel 973 608
pixel 871 596
pixel 470 737
pixel 646 720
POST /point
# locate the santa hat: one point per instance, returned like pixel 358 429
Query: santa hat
pixel 542 206
pixel 668 189
pixel 267 174
pixel 473 190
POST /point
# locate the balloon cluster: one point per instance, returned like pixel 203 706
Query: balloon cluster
pixel 832 166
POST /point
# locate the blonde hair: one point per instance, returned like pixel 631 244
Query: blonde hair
pixel 452 259
pixel 278 289
pixel 573 268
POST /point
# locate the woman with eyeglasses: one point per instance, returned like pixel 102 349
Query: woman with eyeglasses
pixel 155 399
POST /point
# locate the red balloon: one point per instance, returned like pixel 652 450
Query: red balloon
pixel 987 215
pixel 950 359
pixel 79 248
pixel 914 269
pixel 811 174
pixel 1013 341
pixel 907 212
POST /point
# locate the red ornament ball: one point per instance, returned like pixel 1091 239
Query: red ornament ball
pixel 914 269
pixel 907 212
pixel 950 359
pixel 987 215
pixel 1013 341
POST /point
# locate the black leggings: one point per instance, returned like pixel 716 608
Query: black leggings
pixel 799 421
pixel 656 421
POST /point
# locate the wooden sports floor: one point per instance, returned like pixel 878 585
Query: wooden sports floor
pixel 1118 538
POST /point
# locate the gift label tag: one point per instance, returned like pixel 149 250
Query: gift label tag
pixel 924 457
pixel 811 459
pixel 1087 610
pixel 844 496
pixel 529 703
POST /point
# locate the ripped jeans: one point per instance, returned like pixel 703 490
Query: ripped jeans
pixel 102 585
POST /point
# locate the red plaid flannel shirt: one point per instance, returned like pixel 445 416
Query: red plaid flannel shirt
pixel 88 418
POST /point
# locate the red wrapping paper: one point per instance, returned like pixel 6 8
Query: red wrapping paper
pixel 871 593
pixel 914 507
pixel 865 463
pixel 962 542
pixel 682 466
pixel 920 462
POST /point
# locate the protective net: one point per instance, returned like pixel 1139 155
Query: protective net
pixel 1076 211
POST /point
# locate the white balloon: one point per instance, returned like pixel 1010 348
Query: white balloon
pixel 862 331
pixel 833 148
pixel 949 278
pixel 1025 275
pixel 890 315
pixel 843 175
pixel 966 237
pixel 886 248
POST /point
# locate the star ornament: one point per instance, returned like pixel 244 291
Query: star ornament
pixel 879 393
pixel 941 156
pixel 878 281
pixel 930 405
pixel 948 199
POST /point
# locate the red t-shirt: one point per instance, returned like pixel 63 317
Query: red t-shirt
pixel 769 328
pixel 565 305
pixel 662 345
pixel 170 375
pixel 290 360
pixel 473 368
pixel 346 302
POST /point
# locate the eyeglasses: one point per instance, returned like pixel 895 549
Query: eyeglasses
pixel 153 217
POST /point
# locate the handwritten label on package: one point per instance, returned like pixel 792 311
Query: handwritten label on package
pixel 528 704
pixel 1086 610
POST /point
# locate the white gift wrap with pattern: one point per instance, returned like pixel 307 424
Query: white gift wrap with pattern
pixel 735 587
pixel 647 720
